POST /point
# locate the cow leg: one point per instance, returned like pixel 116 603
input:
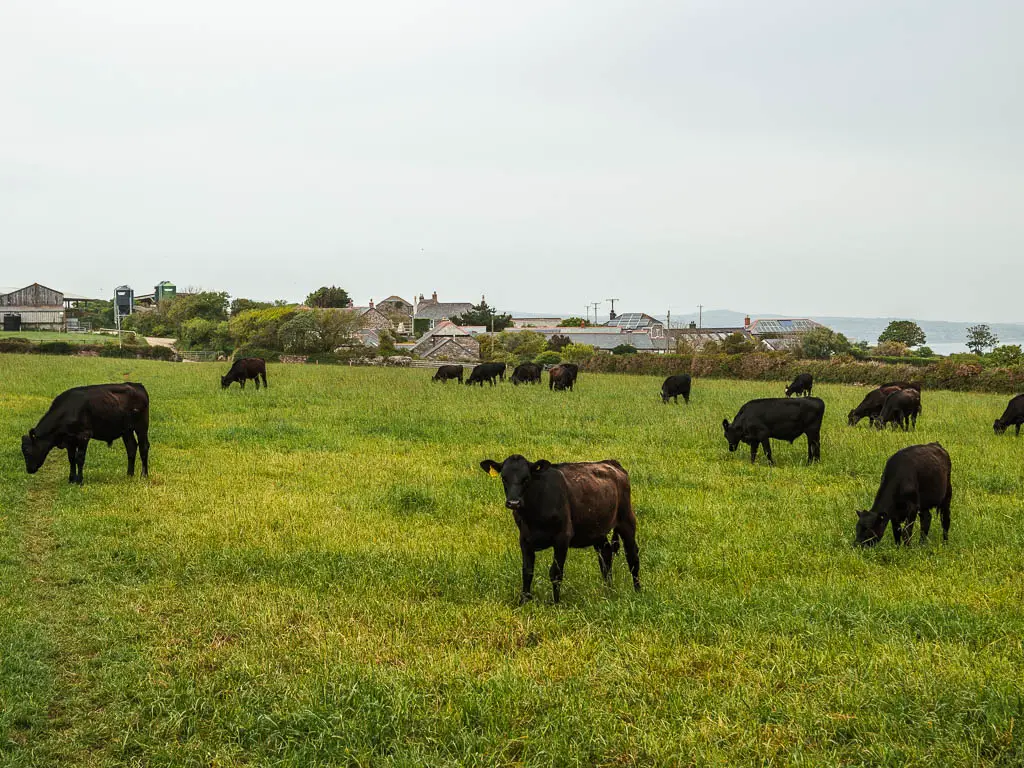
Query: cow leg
pixel 72 476
pixel 897 533
pixel 767 445
pixel 813 446
pixel 944 513
pixel 256 379
pixel 529 555
pixel 80 460
pixel 926 524
pixel 265 385
pixel 241 382
pixel 628 536
pixel 131 445
pixel 605 554
pixel 558 568
pixel 1018 430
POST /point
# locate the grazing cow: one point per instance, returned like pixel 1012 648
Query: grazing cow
pixel 526 373
pixel 446 372
pixel 568 505
pixel 243 369
pixel 563 376
pixel 871 406
pixel 801 385
pixel 489 372
pixel 674 386
pixel 777 417
pixel 104 412
pixel 1013 416
pixel 901 408
pixel 902 385
pixel 915 481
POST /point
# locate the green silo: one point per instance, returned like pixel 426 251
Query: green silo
pixel 164 290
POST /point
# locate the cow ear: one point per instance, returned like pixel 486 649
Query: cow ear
pixel 861 512
pixel 492 468
pixel 32 433
pixel 725 423
pixel 540 466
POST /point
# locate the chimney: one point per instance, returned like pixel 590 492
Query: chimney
pixel 371 303
pixel 746 321
pixel 351 303
pixel 434 297
pixel 693 323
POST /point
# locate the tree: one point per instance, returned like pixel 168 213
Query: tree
pixel 823 343
pixel 1006 355
pixel 906 332
pixel 209 305
pixel 737 344
pixel 980 338
pixel 244 305
pixel 892 349
pixel 556 342
pixel 482 314
pixel 574 353
pixel 624 349
pixel 324 298
pixel 547 358
pixel 574 322
pixel 387 344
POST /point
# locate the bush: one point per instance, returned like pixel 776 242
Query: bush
pixel 16 344
pixel 251 351
pixel 548 358
pixel 577 353
pixel 57 348
pixel 1006 355
pixel 823 343
pixel 891 349
pixel 624 349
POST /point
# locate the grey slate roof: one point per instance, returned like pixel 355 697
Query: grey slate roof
pixel 442 310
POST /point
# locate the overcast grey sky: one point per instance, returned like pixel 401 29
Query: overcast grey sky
pixel 859 157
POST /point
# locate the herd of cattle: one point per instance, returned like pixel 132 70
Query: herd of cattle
pixel 575 505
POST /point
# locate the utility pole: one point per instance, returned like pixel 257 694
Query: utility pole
pixel 668 328
pixel 586 311
pixel 612 315
pixel 700 315
pixel 595 305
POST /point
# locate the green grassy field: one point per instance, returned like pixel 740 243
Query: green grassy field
pixel 320 574
pixel 70 338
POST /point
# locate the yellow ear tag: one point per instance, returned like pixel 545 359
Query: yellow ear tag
pixel 494 472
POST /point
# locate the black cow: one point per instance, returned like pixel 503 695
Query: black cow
pixel 243 369
pixel 915 481
pixel 526 373
pixel 871 406
pixel 1013 416
pixel 902 385
pixel 779 418
pixel 674 386
pixel 446 372
pixel 563 376
pixel 106 412
pixel 901 408
pixel 801 385
pixel 489 372
pixel 568 505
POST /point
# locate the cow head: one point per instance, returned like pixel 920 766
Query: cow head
pixel 225 382
pixel 664 396
pixel 999 427
pixel 732 433
pixel 35 450
pixel 516 473
pixel 870 528
pixel 852 418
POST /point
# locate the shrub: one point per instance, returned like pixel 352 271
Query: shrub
pixel 16 344
pixel 252 351
pixel 577 353
pixel 56 348
pixel 823 343
pixel 891 349
pixel 1006 355
pixel 548 358
pixel 624 349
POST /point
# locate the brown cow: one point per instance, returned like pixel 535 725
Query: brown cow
pixel 568 505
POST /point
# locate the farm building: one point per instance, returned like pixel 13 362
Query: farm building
pixel 35 308
pixel 637 322
pixel 536 322
pixel 447 341
pixel 371 317
pixel 435 311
